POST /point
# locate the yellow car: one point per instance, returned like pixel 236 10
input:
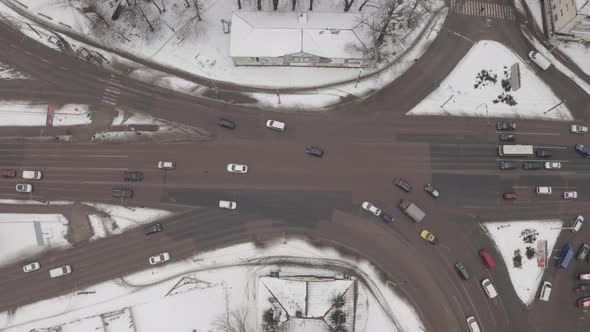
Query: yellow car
pixel 428 237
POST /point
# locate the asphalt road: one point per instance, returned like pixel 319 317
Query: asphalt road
pixel 287 192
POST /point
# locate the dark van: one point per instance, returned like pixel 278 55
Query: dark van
pixel 462 270
pixel 152 229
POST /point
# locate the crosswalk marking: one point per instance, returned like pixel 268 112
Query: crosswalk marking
pixel 111 92
pixel 484 9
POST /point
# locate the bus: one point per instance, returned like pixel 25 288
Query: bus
pixel 566 256
pixel 515 150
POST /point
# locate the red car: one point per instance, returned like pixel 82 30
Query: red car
pixel 8 173
pixel 509 196
pixel 584 303
pixel 584 276
pixel 488 260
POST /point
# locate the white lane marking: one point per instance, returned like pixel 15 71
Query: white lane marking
pixel 550 147
pixel 27 53
pixel 44 60
pixel 526 133
pixel 64 68
pixel 105 156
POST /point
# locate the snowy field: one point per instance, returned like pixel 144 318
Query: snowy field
pixel 217 286
pixel 22 113
pixel 477 87
pixel 517 243
pixel 25 235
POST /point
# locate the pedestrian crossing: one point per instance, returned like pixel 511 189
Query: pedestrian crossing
pixel 484 9
pixel 111 92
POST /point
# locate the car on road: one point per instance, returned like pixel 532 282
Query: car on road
pixel 532 165
pixel 237 168
pixel 462 270
pixel 509 195
pixel 570 194
pixel 543 154
pixel 543 190
pixel 578 129
pixel 24 188
pixel 584 288
pixel 34 266
pixel 487 259
pixel 428 236
pixel 504 165
pixel 583 252
pixel 584 276
pixel 577 223
pixel 122 193
pixel 166 164
pixel 275 125
pixel 472 324
pixel 431 190
pixel 402 184
pixel 507 137
pixel 161 258
pixel 133 176
pixel 545 291
pixel 506 126
pixel 228 205
pixel 155 228
pixel 225 123
pixel 583 149
pixel 371 208
pixel 584 303
pixel 552 165
pixel 60 271
pixel 489 288
pixel 32 175
pixel 8 173
pixel 314 151
pixel 387 218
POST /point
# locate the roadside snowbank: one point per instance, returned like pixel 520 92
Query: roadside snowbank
pixel 22 113
pixel 121 218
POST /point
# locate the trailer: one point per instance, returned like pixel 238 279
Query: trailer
pixel 412 210
pixel 566 256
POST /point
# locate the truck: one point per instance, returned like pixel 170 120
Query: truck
pixel 412 210
pixel 566 256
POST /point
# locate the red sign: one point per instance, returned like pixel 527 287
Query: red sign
pixel 50 109
pixel 542 253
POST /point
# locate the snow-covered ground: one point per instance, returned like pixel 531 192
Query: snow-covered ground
pixel 476 88
pixel 517 243
pixel 9 73
pixel 203 291
pixel 579 53
pixel 22 113
pixel 536 11
pixel 26 234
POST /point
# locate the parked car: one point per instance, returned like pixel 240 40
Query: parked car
pixel 228 205
pixel 532 165
pixel 237 168
pixel 504 165
pixel 166 165
pixel 314 151
pixel 578 129
pixel 8 173
pixel 584 288
pixel 387 218
pixel 577 223
pixel 403 184
pixel 585 151
pixel 431 190
pixel 543 154
pixel 584 303
pixel 507 137
pixel 506 126
pixel 122 193
pixel 462 270
pixel 583 276
pixel 34 266
pixel 543 190
pixel 487 259
pixel 545 291
pixel 32 174
pixel 428 237
pixel 275 125
pixel 161 258
pixel 225 123
pixel 583 252
pixel 472 324
pixel 570 194
pixel 133 176
pixel 155 228
pixel 552 165
pixel 24 188
pixel 371 208
pixel 60 271
pixel 489 288
pixel 509 196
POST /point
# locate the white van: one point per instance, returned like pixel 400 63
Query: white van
pixel 545 291
pixel 577 223
pixel 489 288
pixel 543 190
pixel 472 324
pixel 540 60
pixel 32 175
pixel 60 271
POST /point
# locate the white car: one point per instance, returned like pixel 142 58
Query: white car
pixel 276 125
pixel 31 267
pixel 166 165
pixel 472 324
pixel 228 205
pixel 161 258
pixel 552 165
pixel 543 190
pixel 24 188
pixel 237 168
pixel 578 129
pixel 488 287
pixel 570 194
pixel 371 208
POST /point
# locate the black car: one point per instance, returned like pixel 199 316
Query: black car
pixel 403 184
pixel 507 137
pixel 583 252
pixel 225 123
pixel 152 229
pixel 133 176
pixel 543 154
pixel 122 193
pixel 314 151
pixel 532 165
pixel 585 151
pixel 508 165
pixel 505 125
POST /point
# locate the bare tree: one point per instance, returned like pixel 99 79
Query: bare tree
pixel 310 5
pixel 365 2
pixel 347 5
pixel 259 4
pixel 155 4
pixel 293 3
pixel 239 4
pixel 418 9
pixel 198 9
pixel 234 321
pixel 275 4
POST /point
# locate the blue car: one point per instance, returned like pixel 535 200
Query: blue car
pixel 387 218
pixel 583 150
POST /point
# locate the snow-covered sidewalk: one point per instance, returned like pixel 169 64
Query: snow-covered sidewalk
pixel 15 113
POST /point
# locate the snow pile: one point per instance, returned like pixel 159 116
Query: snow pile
pixel 9 73
pixel 517 242
pixel 480 86
pixel 579 53
pixel 22 113
pixel 121 218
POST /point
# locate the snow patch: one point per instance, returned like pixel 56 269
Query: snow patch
pixel 121 218
pixel 22 113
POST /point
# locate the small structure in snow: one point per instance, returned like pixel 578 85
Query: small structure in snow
pixel 297 39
